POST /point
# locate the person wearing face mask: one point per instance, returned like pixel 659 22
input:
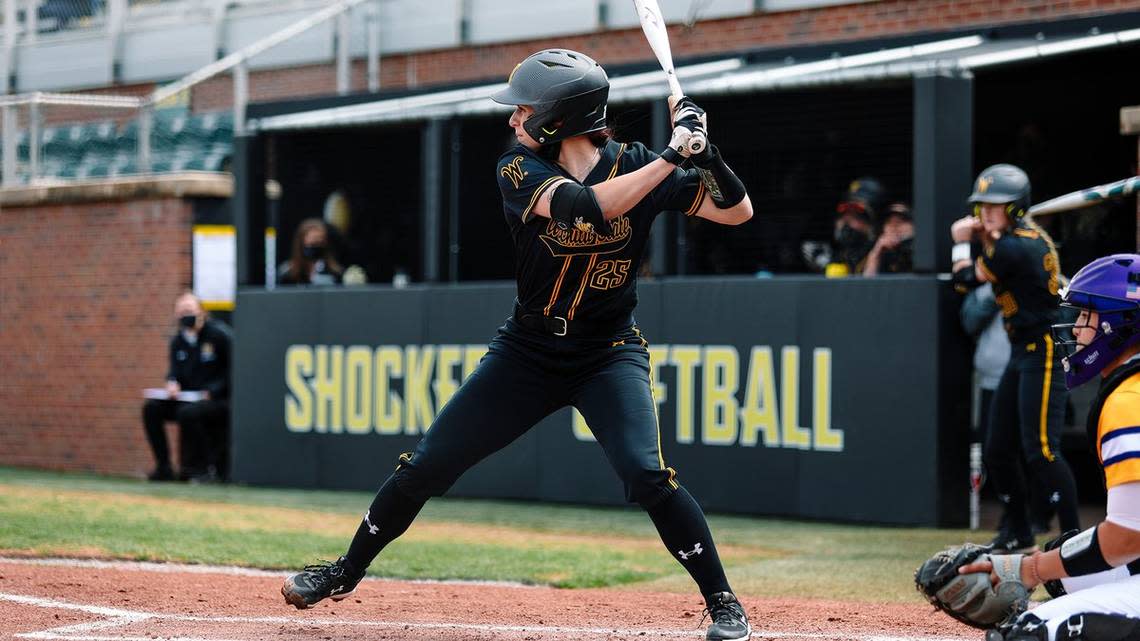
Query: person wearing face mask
pixel 853 236
pixel 312 261
pixel 199 362
pixel 893 252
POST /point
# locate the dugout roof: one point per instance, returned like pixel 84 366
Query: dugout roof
pixel 956 56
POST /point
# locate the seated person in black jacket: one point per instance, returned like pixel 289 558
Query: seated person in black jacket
pixel 199 362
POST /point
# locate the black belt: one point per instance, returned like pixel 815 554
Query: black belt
pixel 559 326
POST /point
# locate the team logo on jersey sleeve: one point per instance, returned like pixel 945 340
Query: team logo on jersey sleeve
pixel 581 238
pixel 513 171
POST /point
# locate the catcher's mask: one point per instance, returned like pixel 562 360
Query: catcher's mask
pixel 1109 286
pixel 566 89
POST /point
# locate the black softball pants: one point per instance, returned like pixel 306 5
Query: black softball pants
pixel 1026 419
pixel 525 376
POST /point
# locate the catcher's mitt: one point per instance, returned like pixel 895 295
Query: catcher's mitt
pixel 971 598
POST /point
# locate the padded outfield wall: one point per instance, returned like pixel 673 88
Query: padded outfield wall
pixel 803 397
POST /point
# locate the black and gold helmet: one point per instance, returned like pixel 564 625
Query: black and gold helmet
pixel 1002 184
pixel 566 89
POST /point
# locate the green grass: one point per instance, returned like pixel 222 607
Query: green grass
pixel 53 514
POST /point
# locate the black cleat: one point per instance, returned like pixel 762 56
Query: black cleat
pixel 324 580
pixel 729 623
pixel 1007 542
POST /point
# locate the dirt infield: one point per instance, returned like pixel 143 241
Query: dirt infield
pixel 94 601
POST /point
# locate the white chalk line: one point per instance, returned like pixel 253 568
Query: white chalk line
pixel 150 566
pixel 120 617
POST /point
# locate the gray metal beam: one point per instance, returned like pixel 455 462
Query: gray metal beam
pixel 241 97
pixel 374 47
pixel 343 75
pixel 943 164
pixel 8 136
pixel 35 140
pixel 431 186
pixel 146 127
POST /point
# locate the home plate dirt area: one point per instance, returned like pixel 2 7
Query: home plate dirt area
pixel 86 600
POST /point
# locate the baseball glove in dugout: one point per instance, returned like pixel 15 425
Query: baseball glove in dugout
pixel 972 598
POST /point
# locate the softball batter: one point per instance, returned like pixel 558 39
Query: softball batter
pixel 579 207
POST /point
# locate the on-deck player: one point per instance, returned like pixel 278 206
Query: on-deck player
pixel 579 207
pixel 1094 574
pixel 1028 407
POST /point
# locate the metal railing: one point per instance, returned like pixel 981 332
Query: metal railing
pixel 79 135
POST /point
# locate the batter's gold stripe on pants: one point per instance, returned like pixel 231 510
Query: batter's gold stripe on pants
pixel 657 419
pixel 557 285
pixel 1044 427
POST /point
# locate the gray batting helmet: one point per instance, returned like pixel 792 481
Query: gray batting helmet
pixel 566 89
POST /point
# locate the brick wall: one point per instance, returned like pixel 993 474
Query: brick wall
pixel 780 29
pixel 87 295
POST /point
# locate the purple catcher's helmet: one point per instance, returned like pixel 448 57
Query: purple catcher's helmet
pixel 1109 286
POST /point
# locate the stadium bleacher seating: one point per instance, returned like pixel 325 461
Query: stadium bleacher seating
pixel 179 141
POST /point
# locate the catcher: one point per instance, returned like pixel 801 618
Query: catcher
pixel 1094 575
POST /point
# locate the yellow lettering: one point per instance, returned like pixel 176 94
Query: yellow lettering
pixel 471 356
pixel 759 413
pixel 326 388
pixel 389 410
pixel 299 400
pixel 685 358
pixel 582 431
pixel 721 365
pixel 417 403
pixel 794 435
pixel 445 384
pixel 826 439
pixel 358 389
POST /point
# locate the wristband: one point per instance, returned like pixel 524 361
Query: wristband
pixel 1081 554
pixel 673 156
pixel 961 251
pixel 1036 558
pixel 724 187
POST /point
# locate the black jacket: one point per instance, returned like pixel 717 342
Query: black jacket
pixel 204 365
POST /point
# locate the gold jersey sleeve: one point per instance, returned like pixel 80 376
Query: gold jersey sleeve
pixel 1118 434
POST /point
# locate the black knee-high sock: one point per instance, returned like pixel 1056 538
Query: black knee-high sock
pixel 1058 481
pixel 685 533
pixel 388 517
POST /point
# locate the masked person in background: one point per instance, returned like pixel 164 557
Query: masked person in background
pixel 853 236
pixel 199 362
pixel 312 261
pixel 893 252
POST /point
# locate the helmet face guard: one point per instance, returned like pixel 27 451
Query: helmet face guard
pixel 1109 286
pixel 567 90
